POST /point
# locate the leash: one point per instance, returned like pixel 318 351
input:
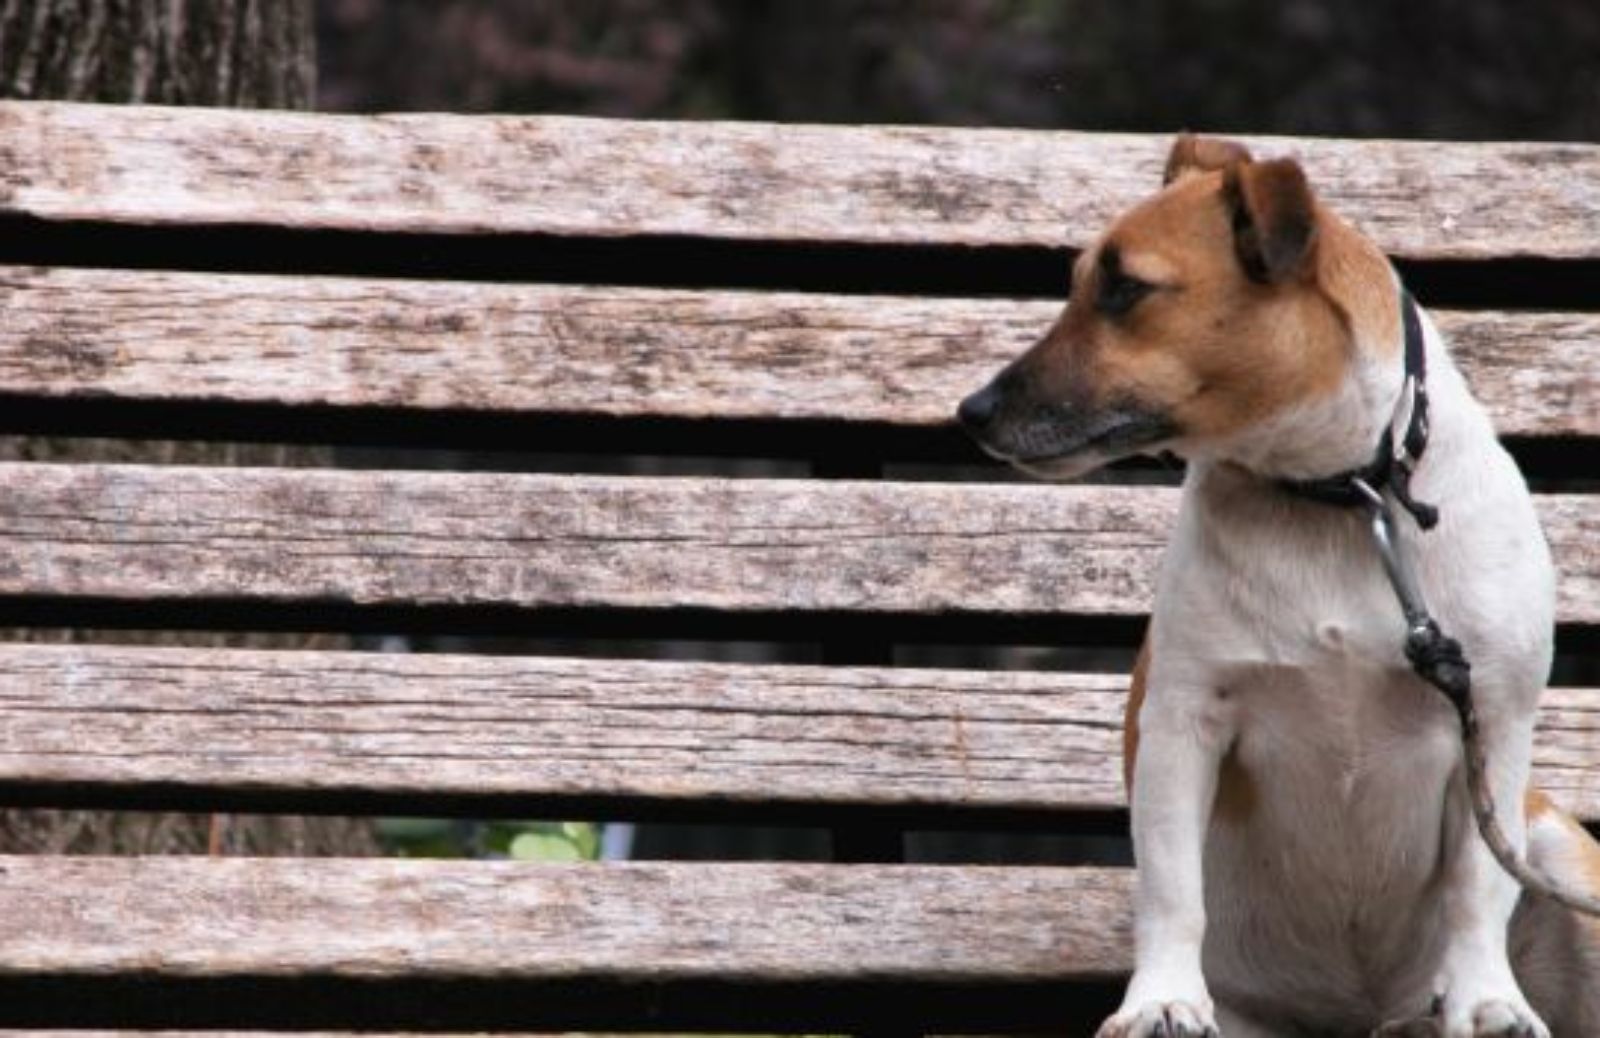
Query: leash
pixel 1435 657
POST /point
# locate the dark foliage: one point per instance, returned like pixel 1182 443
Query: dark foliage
pixel 1427 68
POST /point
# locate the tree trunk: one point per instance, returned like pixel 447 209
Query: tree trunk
pixel 237 53
pixel 232 53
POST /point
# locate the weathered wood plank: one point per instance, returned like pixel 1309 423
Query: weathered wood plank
pixel 156 533
pixel 146 336
pixel 536 733
pixel 153 533
pixel 372 919
pixel 567 176
pixel 1566 762
pixel 415 729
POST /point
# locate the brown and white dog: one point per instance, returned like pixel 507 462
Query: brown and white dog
pixel 1308 863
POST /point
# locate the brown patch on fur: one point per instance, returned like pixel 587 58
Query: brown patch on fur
pixel 1191 154
pixel 1214 349
pixel 1540 807
pixel 1274 218
pixel 1236 792
pixel 1536 804
pixel 1356 276
pixel 1130 715
pixel 1209 348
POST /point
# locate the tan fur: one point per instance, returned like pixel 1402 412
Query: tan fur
pixel 1354 275
pixel 1130 715
pixel 1236 792
pixel 1538 805
pixel 1557 953
pixel 1586 852
pixel 1201 375
pixel 1191 154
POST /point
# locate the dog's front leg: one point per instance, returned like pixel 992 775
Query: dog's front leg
pixel 1183 733
pixel 1475 993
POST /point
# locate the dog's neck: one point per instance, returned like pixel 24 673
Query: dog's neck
pixel 1400 446
pixel 1341 431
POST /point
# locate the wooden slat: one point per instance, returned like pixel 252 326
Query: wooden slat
pixel 299 726
pixel 1565 758
pixel 373 538
pixel 373 919
pixel 155 533
pixel 558 175
pixel 486 945
pixel 433 732
pixel 98 334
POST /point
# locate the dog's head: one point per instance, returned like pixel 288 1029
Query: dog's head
pixel 1212 308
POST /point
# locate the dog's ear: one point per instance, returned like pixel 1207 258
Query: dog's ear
pixel 1192 154
pixel 1274 218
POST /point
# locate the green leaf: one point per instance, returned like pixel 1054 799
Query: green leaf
pixel 544 847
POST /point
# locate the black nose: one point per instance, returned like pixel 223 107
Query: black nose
pixel 978 410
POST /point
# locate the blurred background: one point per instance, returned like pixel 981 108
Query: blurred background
pixel 1446 69
pixel 1467 69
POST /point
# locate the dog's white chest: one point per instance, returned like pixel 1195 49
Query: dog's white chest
pixel 1332 807
pixel 1330 826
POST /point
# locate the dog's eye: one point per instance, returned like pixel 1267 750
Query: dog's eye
pixel 1119 293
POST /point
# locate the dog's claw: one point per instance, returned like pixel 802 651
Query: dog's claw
pixel 1501 1020
pixel 1161 1020
pixel 1421 1027
pixel 1487 1020
pixel 1504 1020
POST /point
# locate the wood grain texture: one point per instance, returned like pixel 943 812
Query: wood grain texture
pixel 1565 757
pixel 98 334
pixel 153 533
pixel 303 724
pixel 369 538
pixel 370 920
pixel 536 732
pixel 569 176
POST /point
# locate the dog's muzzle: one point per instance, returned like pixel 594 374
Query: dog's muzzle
pixel 1009 425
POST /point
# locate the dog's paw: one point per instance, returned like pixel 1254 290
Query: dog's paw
pixel 1495 1018
pixel 1161 1020
pixel 1499 1019
pixel 1417 1027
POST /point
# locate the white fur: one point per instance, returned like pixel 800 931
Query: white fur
pixel 1355 890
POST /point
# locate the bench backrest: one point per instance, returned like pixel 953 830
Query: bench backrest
pixel 562 294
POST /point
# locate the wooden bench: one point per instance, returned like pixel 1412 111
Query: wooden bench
pixel 557 294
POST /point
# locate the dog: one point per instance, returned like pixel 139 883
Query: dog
pixel 1307 858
